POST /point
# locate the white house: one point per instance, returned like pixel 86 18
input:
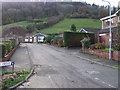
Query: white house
pixel 34 38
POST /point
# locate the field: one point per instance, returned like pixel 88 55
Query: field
pixel 66 24
pixel 22 23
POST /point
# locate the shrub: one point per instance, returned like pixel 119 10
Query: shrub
pixel 55 40
pixel 49 38
pixel 2 50
pixel 73 28
pixel 116 47
pixel 13 42
pixel 86 42
pixel 61 42
pixel 8 45
pixel 98 46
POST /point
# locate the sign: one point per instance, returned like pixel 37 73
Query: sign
pixel 5 63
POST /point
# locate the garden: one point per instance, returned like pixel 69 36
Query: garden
pixel 101 50
pixel 7 48
pixel 10 79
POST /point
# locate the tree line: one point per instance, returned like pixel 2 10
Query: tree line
pixel 21 11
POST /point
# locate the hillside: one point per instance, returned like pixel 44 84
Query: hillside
pixel 66 24
pixel 22 23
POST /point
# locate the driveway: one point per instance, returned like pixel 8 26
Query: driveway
pixel 58 68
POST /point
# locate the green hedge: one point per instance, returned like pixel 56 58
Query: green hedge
pixel 2 50
pixel 6 47
pixel 72 39
pixel 13 42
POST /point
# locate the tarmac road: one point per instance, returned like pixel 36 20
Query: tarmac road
pixel 57 68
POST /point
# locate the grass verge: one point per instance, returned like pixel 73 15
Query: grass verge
pixel 13 78
pixel 116 66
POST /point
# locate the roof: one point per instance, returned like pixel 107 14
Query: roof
pixel 107 30
pixel 114 15
pixel 39 34
pixel 89 30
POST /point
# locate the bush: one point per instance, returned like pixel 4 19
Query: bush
pixel 13 42
pixel 55 40
pixel 116 47
pixel 2 50
pixel 48 38
pixel 61 42
pixel 73 28
pixel 98 46
pixel 86 42
pixel 8 45
pixel 72 39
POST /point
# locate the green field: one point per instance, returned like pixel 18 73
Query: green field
pixel 22 23
pixel 66 24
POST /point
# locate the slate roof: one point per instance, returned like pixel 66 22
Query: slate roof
pixel 107 30
pixel 91 30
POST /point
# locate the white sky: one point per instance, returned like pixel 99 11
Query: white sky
pixel 98 2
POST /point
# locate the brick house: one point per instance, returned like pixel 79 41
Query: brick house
pixel 115 20
pixel 104 33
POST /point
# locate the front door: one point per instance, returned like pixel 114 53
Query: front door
pixel 35 39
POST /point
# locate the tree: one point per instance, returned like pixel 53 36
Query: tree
pixel 73 28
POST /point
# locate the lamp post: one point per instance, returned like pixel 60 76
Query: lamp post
pixel 110 32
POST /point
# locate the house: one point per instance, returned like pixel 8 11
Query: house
pixel 91 30
pixel 34 37
pixel 115 20
pixel 104 33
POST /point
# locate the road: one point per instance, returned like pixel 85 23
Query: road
pixel 59 68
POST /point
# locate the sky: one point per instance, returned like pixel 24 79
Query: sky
pixel 98 2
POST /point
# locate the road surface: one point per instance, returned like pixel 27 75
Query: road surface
pixel 58 68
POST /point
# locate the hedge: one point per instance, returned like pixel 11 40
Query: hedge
pixel 6 47
pixel 72 39
pixel 13 42
pixel 2 50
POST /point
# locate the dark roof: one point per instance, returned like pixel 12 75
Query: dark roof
pixel 107 30
pixel 91 30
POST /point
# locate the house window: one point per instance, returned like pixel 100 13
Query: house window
pixel 118 18
pixel 26 37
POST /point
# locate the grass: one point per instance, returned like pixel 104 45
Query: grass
pixel 107 48
pixel 116 66
pixel 10 82
pixel 66 24
pixel 22 23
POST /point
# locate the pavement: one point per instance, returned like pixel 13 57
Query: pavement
pixel 57 67
pixel 94 59
pixel 21 59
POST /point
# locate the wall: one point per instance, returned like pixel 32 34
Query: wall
pixel 103 53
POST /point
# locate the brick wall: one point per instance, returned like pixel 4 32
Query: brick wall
pixel 103 53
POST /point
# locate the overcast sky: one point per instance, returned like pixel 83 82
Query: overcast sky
pixel 98 2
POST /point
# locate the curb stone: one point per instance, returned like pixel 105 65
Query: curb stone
pixel 97 62
pixel 18 84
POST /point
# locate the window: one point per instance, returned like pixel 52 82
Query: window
pixel 118 18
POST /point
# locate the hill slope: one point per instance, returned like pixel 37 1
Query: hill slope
pixel 66 24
